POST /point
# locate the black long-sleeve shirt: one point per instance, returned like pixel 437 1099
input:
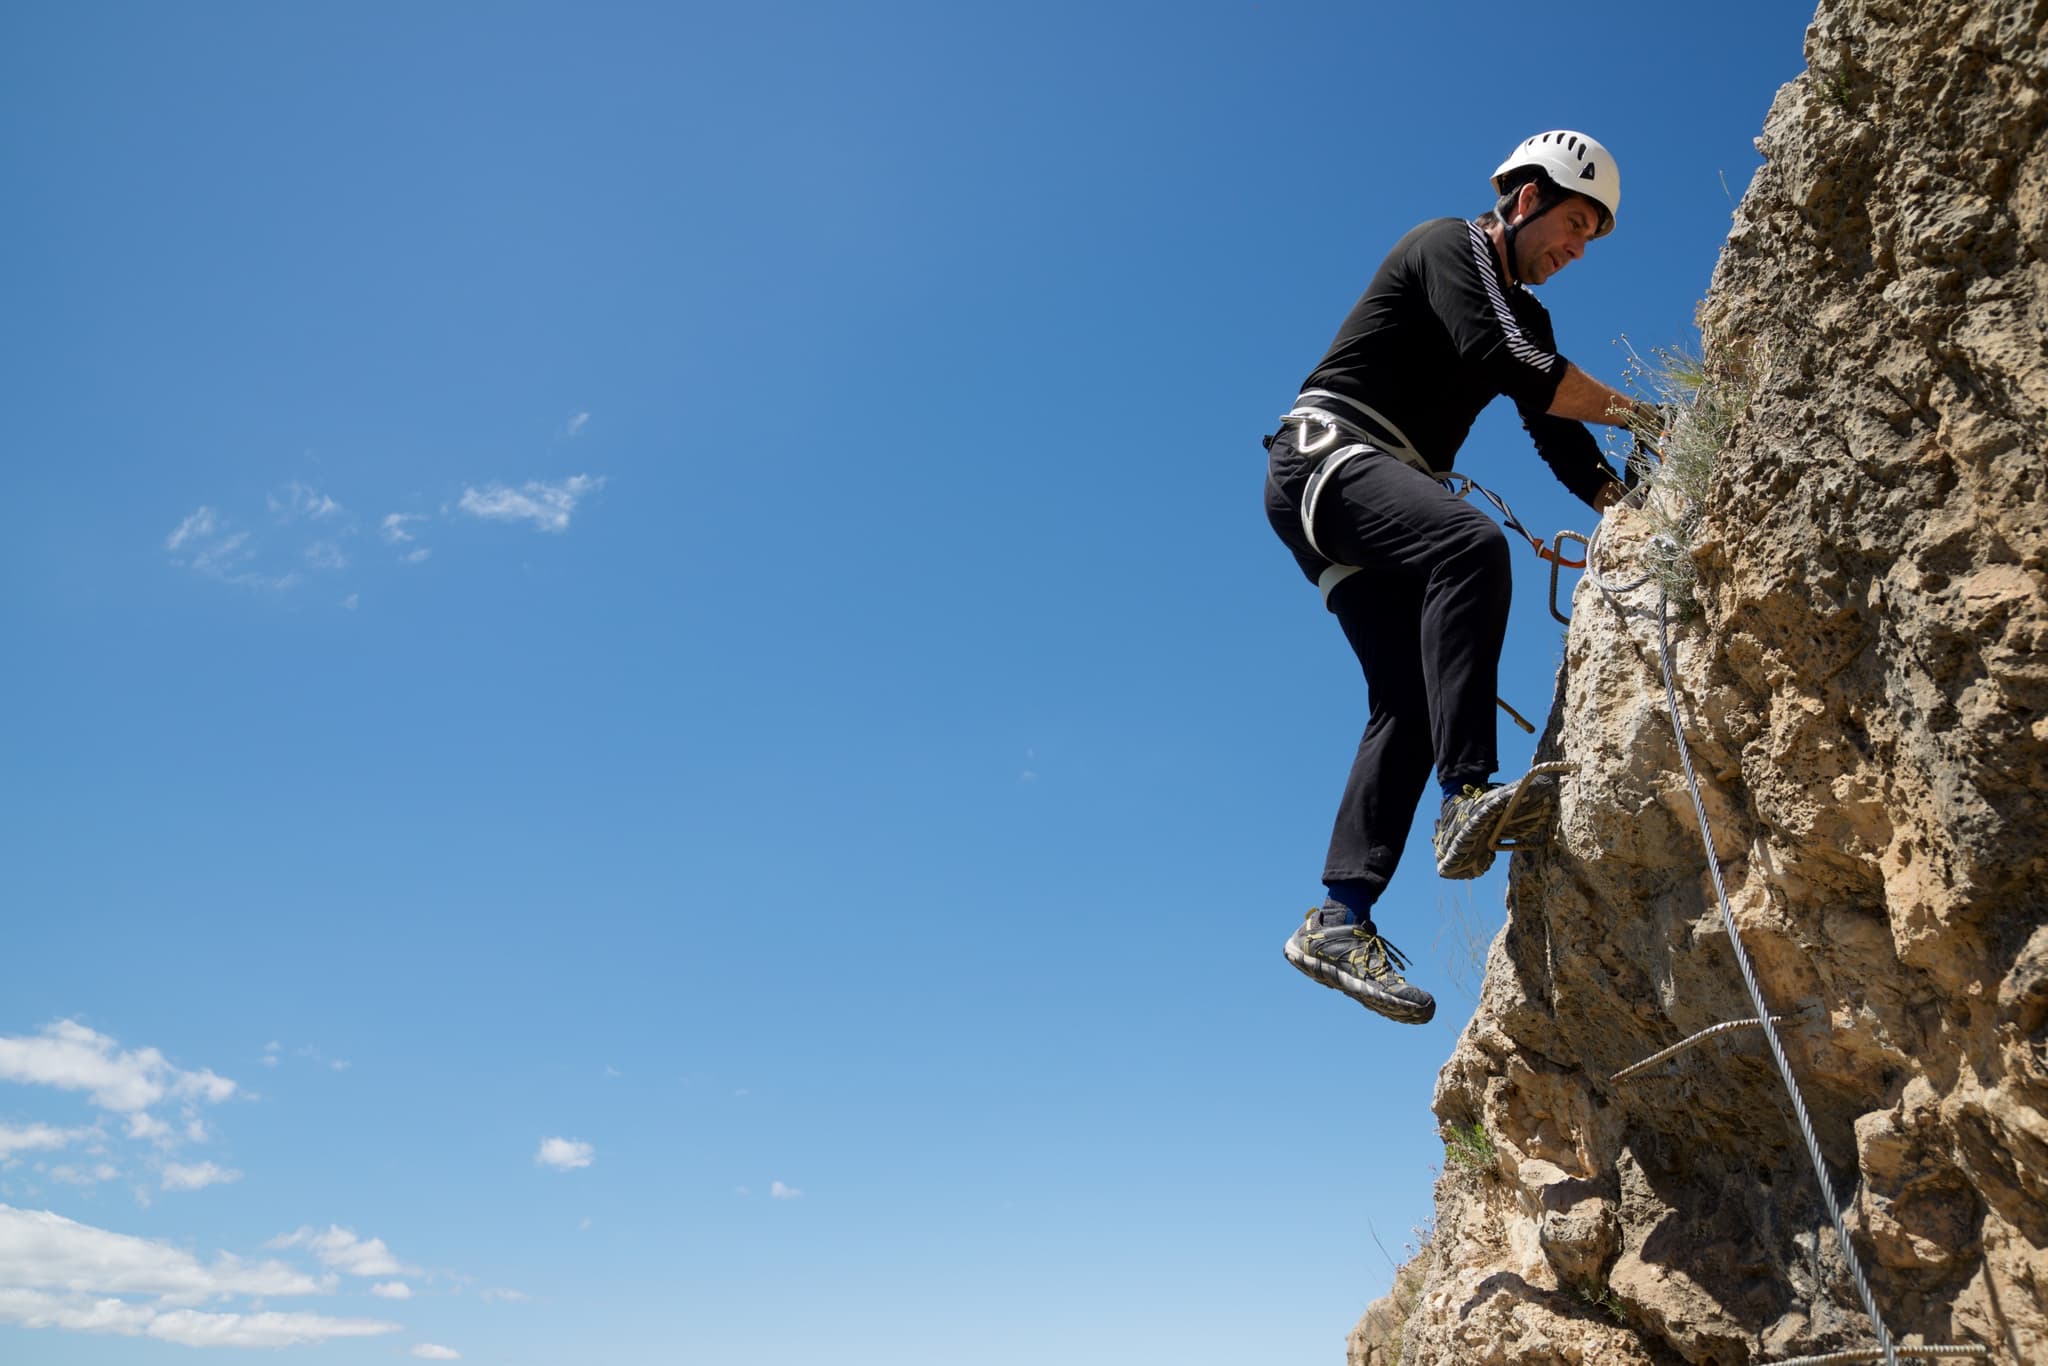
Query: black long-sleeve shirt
pixel 1438 334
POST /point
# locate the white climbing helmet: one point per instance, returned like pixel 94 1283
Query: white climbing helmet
pixel 1573 162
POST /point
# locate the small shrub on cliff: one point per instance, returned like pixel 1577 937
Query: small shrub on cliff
pixel 1602 1297
pixel 1469 1146
pixel 1703 395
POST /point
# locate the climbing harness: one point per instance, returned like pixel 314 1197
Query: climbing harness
pixel 1886 1350
pixel 1318 408
pixel 1313 408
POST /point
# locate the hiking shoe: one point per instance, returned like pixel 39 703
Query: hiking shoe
pixel 1480 820
pixel 1354 959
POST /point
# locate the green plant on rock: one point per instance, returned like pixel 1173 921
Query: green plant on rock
pixel 1602 1297
pixel 1469 1146
pixel 1702 395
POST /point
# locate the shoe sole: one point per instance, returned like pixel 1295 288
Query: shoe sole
pixel 1526 809
pixel 1366 992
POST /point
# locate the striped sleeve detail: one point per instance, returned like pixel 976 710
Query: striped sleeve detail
pixel 1519 345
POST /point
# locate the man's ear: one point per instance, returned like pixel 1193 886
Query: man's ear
pixel 1526 200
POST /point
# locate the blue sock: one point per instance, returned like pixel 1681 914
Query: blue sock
pixel 1355 897
pixel 1453 789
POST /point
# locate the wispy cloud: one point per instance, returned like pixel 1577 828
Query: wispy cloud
pixel 202 525
pixel 391 1290
pixel 84 1176
pixel 296 500
pixel 41 1250
pixel 392 528
pixel 564 1154
pixel 179 1176
pixel 547 506
pixel 72 1057
pixel 88 1313
pixel 325 555
pixel 148 1127
pixel 576 425
pixel 433 1351
pixel 206 544
pixel 342 1250
pixel 499 1295
pixel 778 1191
pixel 38 1138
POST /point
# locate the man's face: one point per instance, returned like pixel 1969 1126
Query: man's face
pixel 1555 240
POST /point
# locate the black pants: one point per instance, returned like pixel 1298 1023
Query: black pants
pixel 1426 617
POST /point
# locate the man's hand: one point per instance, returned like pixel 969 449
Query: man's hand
pixel 1585 399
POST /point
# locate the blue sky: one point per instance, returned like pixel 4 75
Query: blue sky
pixel 653 716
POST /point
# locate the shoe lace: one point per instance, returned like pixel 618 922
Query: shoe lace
pixel 1392 962
pixel 1471 793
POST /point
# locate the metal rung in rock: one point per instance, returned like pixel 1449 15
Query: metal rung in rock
pixel 1625 1073
pixel 1504 834
pixel 1863 1354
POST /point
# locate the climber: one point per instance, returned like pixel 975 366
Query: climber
pixel 1417 578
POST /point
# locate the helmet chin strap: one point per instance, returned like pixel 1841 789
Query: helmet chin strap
pixel 1508 231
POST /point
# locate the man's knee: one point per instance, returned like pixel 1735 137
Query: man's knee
pixel 1478 549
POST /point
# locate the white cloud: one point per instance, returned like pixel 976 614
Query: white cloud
pixel 187 1327
pixel 37 1137
pixel 393 526
pixel 180 1177
pixel 191 1328
pixel 391 1290
pixel 299 501
pixel 547 506
pixel 142 1124
pixel 419 556
pixel 500 1295
pixel 204 544
pixel 778 1191
pixel 325 555
pixel 72 1057
pixel 40 1250
pixel 349 603
pixel 200 526
pixel 435 1352
pixel 57 1273
pixel 340 1065
pixel 80 1176
pixel 577 424
pixel 564 1154
pixel 342 1250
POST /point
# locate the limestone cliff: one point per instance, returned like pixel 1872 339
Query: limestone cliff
pixel 1863 684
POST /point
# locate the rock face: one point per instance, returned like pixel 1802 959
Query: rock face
pixel 1864 691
